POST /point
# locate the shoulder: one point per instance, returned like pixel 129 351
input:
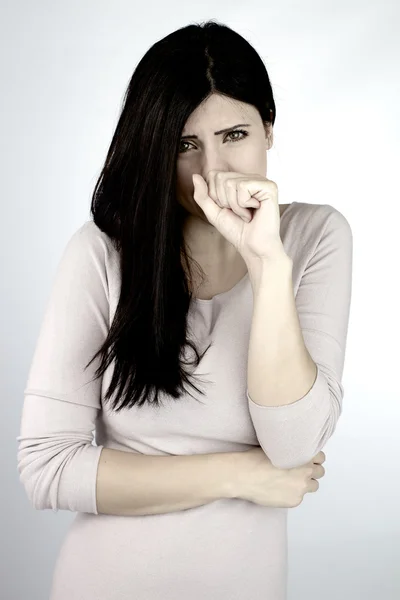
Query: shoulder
pixel 90 236
pixel 317 217
pixel 311 228
pixel 89 243
pixel 90 257
pixel 311 222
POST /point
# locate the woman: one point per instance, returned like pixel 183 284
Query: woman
pixel 186 494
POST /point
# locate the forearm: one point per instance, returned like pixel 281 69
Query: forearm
pixel 280 368
pixel 136 484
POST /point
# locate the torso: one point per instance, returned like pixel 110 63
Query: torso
pixel 214 285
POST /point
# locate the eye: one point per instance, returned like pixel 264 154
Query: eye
pixel 241 131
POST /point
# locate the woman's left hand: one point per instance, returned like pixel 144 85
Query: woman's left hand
pixel 227 198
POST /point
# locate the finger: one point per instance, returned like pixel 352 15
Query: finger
pixel 313 486
pixel 244 195
pixel 216 181
pixel 319 458
pixel 231 192
pixel 213 188
pixel 253 202
pixel 319 472
pixel 219 179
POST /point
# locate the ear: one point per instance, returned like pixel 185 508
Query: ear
pixel 269 135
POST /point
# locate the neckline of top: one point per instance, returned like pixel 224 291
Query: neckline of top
pixel 239 284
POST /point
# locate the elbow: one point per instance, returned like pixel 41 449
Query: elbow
pixel 293 435
pixel 292 452
pixel 38 483
pixel 40 466
pixel 53 473
pixel 293 462
pixel 38 497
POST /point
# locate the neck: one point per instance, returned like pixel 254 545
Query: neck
pixel 207 245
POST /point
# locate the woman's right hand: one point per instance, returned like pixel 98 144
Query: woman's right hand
pixel 259 481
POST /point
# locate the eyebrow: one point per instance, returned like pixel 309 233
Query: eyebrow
pixel 184 137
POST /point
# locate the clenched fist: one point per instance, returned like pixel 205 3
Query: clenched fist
pixel 259 481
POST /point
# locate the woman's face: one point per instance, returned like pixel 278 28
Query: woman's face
pixel 226 151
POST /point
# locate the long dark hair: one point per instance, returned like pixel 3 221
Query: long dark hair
pixel 134 202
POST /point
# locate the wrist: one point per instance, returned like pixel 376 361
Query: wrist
pixel 261 271
pixel 225 474
pixel 232 468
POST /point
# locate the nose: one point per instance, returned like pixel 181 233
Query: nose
pixel 212 161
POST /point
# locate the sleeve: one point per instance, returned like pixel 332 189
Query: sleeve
pixel 57 461
pixel 292 435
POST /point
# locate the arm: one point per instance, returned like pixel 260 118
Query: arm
pixel 297 345
pixel 136 484
pixel 58 465
pixel 61 469
pixel 276 345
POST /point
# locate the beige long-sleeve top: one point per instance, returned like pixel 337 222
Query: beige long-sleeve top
pixel 225 550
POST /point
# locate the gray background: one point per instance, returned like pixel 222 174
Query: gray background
pixel 334 68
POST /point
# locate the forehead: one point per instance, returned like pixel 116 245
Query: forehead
pixel 217 112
